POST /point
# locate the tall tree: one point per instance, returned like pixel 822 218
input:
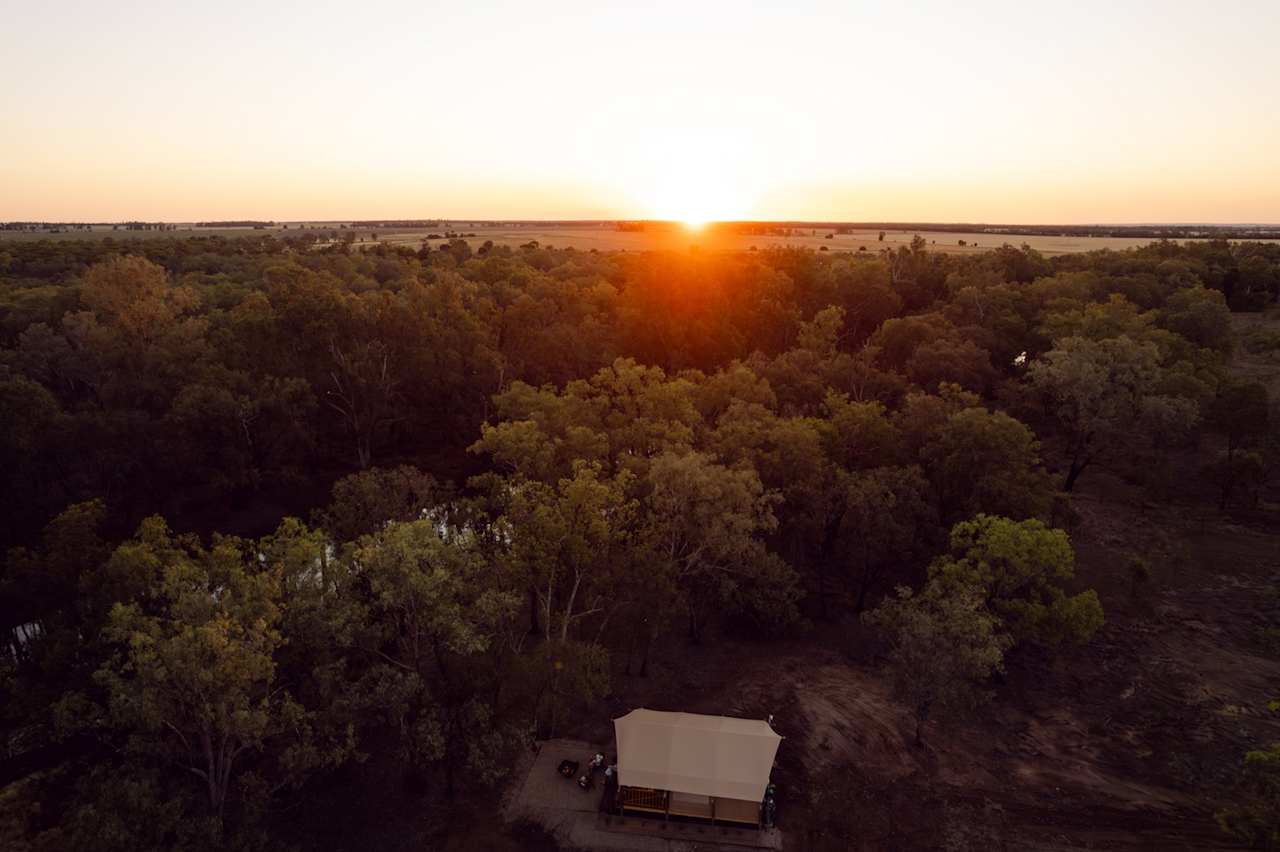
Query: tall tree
pixel 1254 818
pixel 568 541
pixel 886 518
pixel 943 646
pixel 1240 412
pixel 436 610
pixel 1019 568
pixel 983 461
pixel 1095 391
pixel 193 679
pixel 704 526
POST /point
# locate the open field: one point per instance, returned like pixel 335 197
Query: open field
pixel 606 237
pixel 679 238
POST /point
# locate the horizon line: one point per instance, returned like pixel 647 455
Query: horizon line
pixel 477 220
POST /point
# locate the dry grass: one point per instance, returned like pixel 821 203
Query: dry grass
pixel 605 237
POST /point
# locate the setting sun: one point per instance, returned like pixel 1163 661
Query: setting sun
pixel 696 191
pixel 693 174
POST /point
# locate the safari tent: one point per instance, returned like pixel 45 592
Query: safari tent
pixel 691 765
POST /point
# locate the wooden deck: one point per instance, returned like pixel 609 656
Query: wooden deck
pixel 737 811
pixel 588 819
pixel 682 834
pixel 643 800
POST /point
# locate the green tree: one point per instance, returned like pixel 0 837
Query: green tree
pixel 859 435
pixel 943 647
pixel 29 491
pixel 1200 315
pixel 323 620
pixel 364 384
pixel 1236 473
pixel 436 611
pixel 132 807
pixel 1255 817
pixel 1240 412
pixel 983 461
pixel 1019 568
pixel 958 361
pixel 222 435
pixel 363 502
pixel 623 416
pixel 886 514
pixel 51 626
pixel 568 542
pixel 704 524
pixel 1095 391
pixel 193 679
pixel 865 293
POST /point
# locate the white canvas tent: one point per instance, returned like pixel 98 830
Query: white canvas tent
pixel 715 757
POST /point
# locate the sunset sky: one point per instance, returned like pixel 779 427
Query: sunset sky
pixel 996 112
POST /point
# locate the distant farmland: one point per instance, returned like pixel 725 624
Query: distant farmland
pixel 606 236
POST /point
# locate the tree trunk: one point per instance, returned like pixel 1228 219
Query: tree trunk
pixel 1073 474
pixel 644 660
pixel 534 628
pixel 1228 481
pixel 864 582
pixel 449 788
pixel 922 716
pixel 830 532
pixel 568 609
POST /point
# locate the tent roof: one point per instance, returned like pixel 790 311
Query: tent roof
pixel 692 753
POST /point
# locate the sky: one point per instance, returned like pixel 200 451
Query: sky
pixel 1013 112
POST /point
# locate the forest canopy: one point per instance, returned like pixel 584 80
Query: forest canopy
pixel 273 508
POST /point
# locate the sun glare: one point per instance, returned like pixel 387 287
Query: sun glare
pixel 695 177
pixel 696 197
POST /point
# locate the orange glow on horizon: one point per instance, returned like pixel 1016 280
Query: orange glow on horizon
pixel 183 129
